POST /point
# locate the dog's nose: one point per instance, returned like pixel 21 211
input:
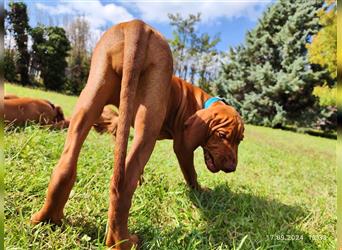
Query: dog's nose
pixel 230 168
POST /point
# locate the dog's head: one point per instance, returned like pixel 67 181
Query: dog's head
pixel 107 122
pixel 59 114
pixel 219 130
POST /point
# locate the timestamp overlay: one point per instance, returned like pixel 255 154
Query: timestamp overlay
pixel 296 237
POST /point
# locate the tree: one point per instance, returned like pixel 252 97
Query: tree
pixel 206 52
pixel 269 78
pixel 193 53
pixel 77 73
pixel 17 16
pixel 183 41
pixel 9 58
pixel 37 50
pixel 49 51
pixel 322 49
pixel 9 65
pixel 78 32
pixel 79 60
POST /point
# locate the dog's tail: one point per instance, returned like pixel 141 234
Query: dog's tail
pixel 135 45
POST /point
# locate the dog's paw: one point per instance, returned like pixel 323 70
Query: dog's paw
pixel 204 190
pixel 135 240
pixel 132 243
pixel 198 188
pixel 44 217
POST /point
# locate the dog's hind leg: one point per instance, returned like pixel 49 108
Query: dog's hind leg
pixel 151 111
pixel 89 106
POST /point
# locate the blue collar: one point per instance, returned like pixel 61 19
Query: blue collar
pixel 211 100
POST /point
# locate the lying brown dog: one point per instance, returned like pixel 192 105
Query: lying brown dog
pixel 10 96
pixel 20 110
pixel 131 68
pixel 43 112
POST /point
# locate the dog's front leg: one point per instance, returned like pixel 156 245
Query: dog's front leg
pixel 186 161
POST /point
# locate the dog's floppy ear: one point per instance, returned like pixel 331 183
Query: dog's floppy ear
pixel 196 129
pixel 107 122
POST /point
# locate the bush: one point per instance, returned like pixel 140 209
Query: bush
pixel 327 120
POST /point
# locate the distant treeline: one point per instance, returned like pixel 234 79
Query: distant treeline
pixel 56 58
pixel 284 74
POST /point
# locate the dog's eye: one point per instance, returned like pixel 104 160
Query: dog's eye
pixel 222 135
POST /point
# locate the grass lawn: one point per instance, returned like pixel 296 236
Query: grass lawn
pixel 282 195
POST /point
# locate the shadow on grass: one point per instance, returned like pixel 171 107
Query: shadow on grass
pixel 231 216
pixel 228 219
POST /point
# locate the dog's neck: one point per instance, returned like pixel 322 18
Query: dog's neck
pixel 184 101
pixel 186 95
pixel 201 98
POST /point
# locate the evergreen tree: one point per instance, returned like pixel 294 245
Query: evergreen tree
pixel 18 18
pixel 269 79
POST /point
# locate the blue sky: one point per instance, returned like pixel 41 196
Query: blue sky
pixel 230 18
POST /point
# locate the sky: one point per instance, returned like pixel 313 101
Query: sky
pixel 229 18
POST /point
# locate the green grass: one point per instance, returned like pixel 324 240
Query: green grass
pixel 284 186
pixel 66 102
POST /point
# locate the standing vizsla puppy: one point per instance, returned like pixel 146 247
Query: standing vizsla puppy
pixel 131 68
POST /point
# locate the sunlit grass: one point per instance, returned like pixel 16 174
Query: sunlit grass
pixel 282 195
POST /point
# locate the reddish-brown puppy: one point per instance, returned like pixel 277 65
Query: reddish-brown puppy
pixel 132 69
pixel 10 96
pixel 43 112
pixel 20 110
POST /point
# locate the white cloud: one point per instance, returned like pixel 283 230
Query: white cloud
pixel 98 15
pixel 102 15
pixel 211 10
pixel 54 10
